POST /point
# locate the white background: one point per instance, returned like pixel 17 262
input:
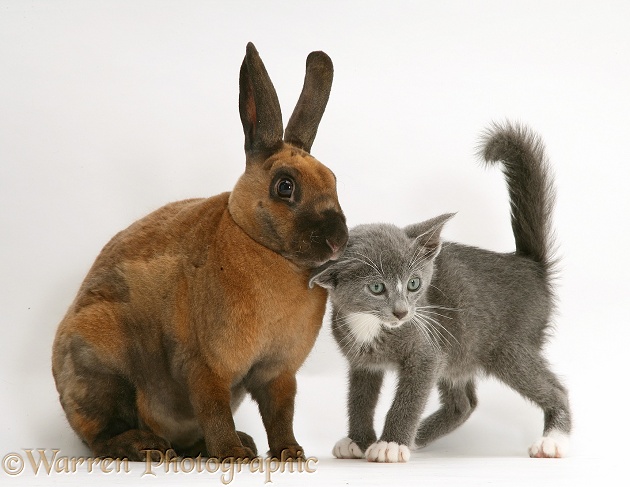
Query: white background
pixel 110 109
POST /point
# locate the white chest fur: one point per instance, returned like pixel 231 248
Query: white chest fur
pixel 363 326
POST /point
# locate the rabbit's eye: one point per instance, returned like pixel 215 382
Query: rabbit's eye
pixel 284 188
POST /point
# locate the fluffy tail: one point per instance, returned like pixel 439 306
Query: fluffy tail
pixel 530 187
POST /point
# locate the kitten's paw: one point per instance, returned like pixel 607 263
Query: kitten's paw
pixel 554 445
pixel 346 448
pixel 391 452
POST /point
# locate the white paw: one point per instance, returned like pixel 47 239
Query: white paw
pixel 391 452
pixel 554 445
pixel 346 448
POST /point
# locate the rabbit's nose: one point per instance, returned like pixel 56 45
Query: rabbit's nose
pixel 335 249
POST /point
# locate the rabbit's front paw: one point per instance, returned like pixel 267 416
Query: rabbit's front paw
pixel 389 452
pixel 289 452
pixel 346 448
pixel 237 453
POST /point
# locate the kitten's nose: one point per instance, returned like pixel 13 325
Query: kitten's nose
pixel 399 314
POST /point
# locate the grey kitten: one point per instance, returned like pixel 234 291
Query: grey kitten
pixel 442 312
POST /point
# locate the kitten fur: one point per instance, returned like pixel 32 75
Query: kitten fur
pixel 474 311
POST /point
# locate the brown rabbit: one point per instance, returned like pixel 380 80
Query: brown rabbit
pixel 204 300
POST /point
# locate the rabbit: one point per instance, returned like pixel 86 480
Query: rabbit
pixel 205 300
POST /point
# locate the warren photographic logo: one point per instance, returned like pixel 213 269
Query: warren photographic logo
pixel 50 462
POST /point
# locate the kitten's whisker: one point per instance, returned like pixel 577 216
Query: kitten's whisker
pixel 347 339
pixel 431 319
pixel 369 262
pixel 339 312
pixel 380 260
pixel 347 319
pixel 426 331
pixel 373 267
pixel 416 259
pixel 365 257
pixel 429 322
pixel 347 343
pixel 350 347
pixel 437 314
pixel 435 322
pixel 355 349
pixel 437 307
pixel 416 324
pixel 426 334
pixel 435 287
pixel 432 230
pixel 439 338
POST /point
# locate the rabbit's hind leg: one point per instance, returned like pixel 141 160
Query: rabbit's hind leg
pixel 100 404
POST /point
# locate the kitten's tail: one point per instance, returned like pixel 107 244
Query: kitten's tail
pixel 530 187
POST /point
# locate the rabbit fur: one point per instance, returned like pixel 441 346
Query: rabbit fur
pixel 205 300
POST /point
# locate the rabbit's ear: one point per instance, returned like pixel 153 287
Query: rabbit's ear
pixel 258 105
pixel 302 126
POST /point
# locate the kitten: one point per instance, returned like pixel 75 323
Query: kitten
pixel 442 313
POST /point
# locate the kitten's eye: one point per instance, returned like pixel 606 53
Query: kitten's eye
pixel 413 284
pixel 377 288
pixel 284 188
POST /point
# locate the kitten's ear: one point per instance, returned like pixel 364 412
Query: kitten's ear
pixel 325 275
pixel 427 233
